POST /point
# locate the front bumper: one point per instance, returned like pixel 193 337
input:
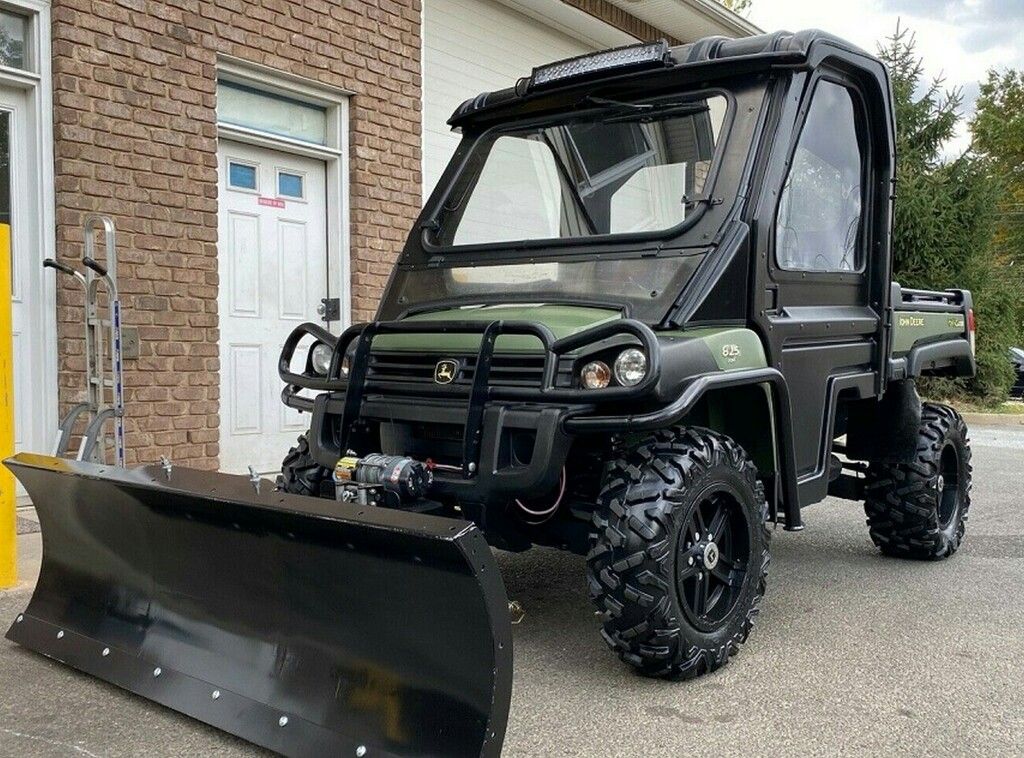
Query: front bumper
pixel 502 469
pixel 489 415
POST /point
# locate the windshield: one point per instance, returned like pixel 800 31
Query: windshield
pixel 638 168
pixel 643 282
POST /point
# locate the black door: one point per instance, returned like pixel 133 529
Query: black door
pixel 821 324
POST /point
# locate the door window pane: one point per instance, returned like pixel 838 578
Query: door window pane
pixel 289 185
pixel 241 175
pixel 13 32
pixel 818 223
pixel 269 112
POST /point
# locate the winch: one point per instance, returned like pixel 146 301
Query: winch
pixel 379 479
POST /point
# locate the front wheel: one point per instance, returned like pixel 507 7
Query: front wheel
pixel 680 554
pixel 918 508
pixel 301 475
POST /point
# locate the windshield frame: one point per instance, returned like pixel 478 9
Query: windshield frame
pixel 432 219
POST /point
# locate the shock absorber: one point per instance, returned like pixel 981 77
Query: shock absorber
pixel 405 477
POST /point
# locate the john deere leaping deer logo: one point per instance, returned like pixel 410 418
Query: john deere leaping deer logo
pixel 445 371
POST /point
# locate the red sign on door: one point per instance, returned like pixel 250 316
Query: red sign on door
pixel 273 202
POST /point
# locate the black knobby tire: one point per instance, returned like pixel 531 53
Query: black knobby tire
pixel 300 474
pixel 918 508
pixel 639 569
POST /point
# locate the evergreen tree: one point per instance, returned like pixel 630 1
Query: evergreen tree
pixel 945 215
pixel 998 130
pixel 737 6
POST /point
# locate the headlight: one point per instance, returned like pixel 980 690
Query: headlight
pixel 595 375
pixel 630 367
pixel 346 359
pixel 320 358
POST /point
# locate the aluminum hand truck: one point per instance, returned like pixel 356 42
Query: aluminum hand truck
pixel 103 367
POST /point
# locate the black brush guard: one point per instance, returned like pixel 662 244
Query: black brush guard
pixel 308 626
pixel 481 391
pixel 345 395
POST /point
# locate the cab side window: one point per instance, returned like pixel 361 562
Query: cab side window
pixel 818 226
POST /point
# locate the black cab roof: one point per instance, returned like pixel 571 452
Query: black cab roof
pixel 718 56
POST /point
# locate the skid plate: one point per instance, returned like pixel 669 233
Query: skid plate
pixel 303 625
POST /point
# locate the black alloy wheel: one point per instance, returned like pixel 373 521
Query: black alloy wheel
pixel 713 556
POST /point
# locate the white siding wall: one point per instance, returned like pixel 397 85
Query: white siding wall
pixel 474 46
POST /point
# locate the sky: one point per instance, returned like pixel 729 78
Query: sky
pixel 959 41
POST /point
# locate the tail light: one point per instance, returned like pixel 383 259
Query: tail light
pixel 972 328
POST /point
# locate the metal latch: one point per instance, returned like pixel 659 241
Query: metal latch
pixel 329 309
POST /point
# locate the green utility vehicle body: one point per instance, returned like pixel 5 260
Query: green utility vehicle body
pixel 763 284
pixel 731 347
pixel 646 312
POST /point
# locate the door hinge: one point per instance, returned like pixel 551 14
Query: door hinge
pixel 329 309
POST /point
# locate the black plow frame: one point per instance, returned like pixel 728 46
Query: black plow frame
pixel 307 626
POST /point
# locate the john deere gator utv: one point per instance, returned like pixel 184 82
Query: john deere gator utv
pixel 646 315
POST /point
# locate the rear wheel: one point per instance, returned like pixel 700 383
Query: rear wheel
pixel 918 508
pixel 300 474
pixel 680 554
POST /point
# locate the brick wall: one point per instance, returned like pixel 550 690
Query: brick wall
pixel 135 134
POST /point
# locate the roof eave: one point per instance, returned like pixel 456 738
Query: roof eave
pixel 689 20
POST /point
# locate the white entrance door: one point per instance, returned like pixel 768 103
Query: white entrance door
pixel 31 391
pixel 273 273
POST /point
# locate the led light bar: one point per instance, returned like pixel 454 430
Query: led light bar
pixel 633 56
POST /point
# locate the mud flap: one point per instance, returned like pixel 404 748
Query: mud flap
pixel 307 626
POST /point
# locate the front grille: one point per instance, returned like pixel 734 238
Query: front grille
pixel 416 368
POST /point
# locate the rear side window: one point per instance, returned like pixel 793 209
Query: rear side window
pixel 818 227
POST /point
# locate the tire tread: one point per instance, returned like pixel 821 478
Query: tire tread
pixel 900 502
pixel 300 474
pixel 630 564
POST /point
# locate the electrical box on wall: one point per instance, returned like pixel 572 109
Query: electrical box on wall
pixel 129 343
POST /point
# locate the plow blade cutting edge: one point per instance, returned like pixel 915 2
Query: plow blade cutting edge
pixel 308 626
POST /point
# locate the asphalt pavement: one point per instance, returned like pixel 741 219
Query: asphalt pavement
pixel 853 654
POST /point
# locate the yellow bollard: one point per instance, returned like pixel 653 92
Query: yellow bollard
pixel 8 519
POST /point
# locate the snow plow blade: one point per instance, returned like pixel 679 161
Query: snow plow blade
pixel 307 626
